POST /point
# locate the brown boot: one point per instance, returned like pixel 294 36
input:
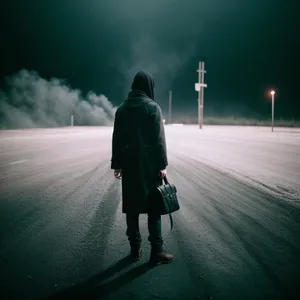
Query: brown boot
pixel 136 254
pixel 161 258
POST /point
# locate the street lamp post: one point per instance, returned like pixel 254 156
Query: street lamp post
pixel 273 94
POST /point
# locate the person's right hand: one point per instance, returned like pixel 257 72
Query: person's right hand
pixel 162 173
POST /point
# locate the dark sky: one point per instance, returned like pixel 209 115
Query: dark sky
pixel 248 47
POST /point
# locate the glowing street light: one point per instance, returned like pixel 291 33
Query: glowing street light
pixel 273 94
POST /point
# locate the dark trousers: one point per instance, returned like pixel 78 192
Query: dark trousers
pixel 154 228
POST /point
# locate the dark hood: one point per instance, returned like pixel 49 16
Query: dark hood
pixel 142 90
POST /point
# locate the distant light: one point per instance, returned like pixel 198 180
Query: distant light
pixel 164 121
pixel 272 92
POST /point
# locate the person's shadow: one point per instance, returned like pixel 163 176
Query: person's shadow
pixel 94 289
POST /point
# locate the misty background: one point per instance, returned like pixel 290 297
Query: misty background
pixel 31 101
pixel 60 58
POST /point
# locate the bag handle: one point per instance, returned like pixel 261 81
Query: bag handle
pixel 166 180
pixel 161 180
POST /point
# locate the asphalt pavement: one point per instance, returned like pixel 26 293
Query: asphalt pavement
pixel 236 236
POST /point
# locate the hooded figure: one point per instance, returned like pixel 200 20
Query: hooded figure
pixel 138 157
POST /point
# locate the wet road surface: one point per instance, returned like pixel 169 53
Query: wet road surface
pixel 236 236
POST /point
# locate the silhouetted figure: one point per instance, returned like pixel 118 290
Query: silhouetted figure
pixel 139 158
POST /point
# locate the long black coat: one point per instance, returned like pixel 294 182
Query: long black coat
pixel 139 144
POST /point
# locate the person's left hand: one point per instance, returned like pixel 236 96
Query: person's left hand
pixel 118 173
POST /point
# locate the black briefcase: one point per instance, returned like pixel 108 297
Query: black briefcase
pixel 164 199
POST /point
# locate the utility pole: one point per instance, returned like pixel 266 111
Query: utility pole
pixel 200 88
pixel 170 107
pixel 202 94
pixel 72 121
pixel 200 107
